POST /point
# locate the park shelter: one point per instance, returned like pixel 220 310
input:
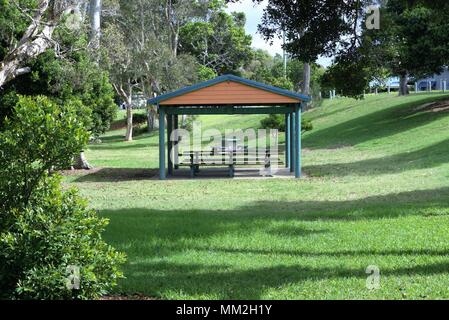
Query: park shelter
pixel 230 95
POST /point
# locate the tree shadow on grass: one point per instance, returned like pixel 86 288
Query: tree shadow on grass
pixel 120 138
pixel 117 175
pixel 223 282
pixel 331 253
pixel 291 231
pixel 152 237
pixel 122 146
pixel 314 117
pixel 376 125
pixel 370 208
pixel 428 157
pixel 187 223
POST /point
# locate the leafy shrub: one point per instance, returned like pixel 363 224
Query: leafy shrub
pixel 306 125
pixel 277 121
pixel 76 77
pixel 54 231
pixel 274 121
pixel 39 136
pixel 44 230
pixel 139 119
pixel 281 82
pixel 189 123
pixel 100 99
pixel 140 131
pixel 206 73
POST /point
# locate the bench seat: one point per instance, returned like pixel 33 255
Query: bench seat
pixel 195 160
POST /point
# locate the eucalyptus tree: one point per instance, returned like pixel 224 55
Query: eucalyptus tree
pixel 95 8
pixel 138 52
pixel 219 42
pixel 177 13
pixel 63 72
pixel 33 37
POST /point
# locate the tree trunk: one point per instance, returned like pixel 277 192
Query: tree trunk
pixel 306 79
pixel 9 70
pixel 28 49
pixel 183 121
pixel 95 23
pixel 127 96
pixel 81 162
pixel 35 40
pixel 175 42
pixel 306 83
pixel 32 44
pixel 150 120
pixel 403 87
pixel 129 120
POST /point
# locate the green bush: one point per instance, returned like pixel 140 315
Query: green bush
pixel 139 119
pixel 45 231
pixel 274 121
pixel 206 73
pixel 39 136
pixel 53 232
pixel 75 77
pixel 277 121
pixel 190 121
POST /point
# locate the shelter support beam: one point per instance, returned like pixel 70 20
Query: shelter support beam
pixel 162 173
pixel 287 140
pixel 298 116
pixel 170 144
pixel 292 142
pixel 176 146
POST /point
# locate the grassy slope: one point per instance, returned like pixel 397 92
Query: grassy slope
pixel 377 193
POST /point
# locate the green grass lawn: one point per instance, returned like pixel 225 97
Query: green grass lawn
pixel 376 192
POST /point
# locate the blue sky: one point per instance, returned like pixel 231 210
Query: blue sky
pixel 254 15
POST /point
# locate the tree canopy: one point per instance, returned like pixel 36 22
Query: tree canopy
pixel 410 42
pixel 219 43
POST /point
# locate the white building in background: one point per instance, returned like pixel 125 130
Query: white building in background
pixel 394 82
pixel 139 101
pixel 436 82
pixel 391 83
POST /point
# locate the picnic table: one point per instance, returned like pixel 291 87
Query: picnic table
pixel 227 157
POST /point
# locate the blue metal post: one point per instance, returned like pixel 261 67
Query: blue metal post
pixel 170 144
pixel 298 115
pixel 176 151
pixel 292 142
pixel 162 173
pixel 287 140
